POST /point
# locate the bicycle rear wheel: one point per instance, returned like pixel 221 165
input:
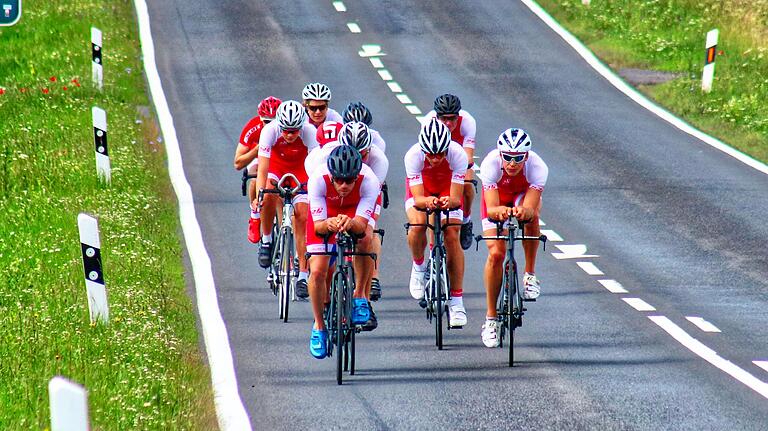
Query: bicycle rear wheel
pixel 285 274
pixel 437 290
pixel 515 302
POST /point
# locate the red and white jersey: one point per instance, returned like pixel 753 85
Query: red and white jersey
pixel 330 115
pixel 328 132
pixel 376 160
pixel 325 202
pixel 465 131
pixel 376 140
pixel 272 144
pixel 533 175
pixel 451 170
pixel 249 137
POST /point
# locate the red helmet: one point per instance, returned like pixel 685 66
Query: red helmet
pixel 328 132
pixel 268 107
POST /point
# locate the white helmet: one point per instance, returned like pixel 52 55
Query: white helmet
pixel 355 134
pixel 513 140
pixel 291 115
pixel 435 137
pixel 316 91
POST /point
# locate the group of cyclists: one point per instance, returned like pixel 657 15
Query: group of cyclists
pixel 343 163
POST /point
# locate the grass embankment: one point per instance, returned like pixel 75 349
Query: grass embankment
pixel 669 35
pixel 143 370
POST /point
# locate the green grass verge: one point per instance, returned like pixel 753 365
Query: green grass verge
pixel 144 370
pixel 669 35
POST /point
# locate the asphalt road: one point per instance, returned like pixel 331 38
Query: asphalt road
pixel 677 223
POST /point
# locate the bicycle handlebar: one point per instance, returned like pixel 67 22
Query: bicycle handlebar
pixel 500 237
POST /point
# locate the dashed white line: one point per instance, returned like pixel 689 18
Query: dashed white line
pixel 711 356
pixel 394 87
pixel 761 364
pixel 353 27
pixel 613 286
pixel 413 109
pixel 385 75
pixel 339 6
pixel 702 324
pixel 572 251
pixel 371 50
pixel 590 268
pixel 404 99
pixel 551 235
pixel 638 304
pixel 376 62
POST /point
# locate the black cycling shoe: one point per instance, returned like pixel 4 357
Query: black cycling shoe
pixel 466 235
pixel 375 289
pixel 301 289
pixel 372 323
pixel 265 255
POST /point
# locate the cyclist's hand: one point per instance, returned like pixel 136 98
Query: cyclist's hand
pixel 503 214
pixel 332 224
pixel 432 203
pixel 452 202
pixel 522 213
pixel 344 222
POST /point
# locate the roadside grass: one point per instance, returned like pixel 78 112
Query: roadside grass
pixel 669 35
pixel 144 370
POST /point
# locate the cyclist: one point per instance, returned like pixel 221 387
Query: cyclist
pixel 246 155
pixel 328 132
pixel 342 195
pixel 447 109
pixel 356 111
pixel 283 145
pixel 357 135
pixel 513 179
pixel 435 169
pixel 316 97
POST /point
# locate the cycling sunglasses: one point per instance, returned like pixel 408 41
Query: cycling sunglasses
pixel 509 158
pixel 289 131
pixel 346 181
pixel 315 108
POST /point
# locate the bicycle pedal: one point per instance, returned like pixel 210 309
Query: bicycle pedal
pixel 423 303
pixel 529 300
pixel 456 327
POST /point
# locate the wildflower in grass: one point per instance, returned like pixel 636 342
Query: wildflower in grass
pixel 64 88
pixel 23 90
pixel 45 90
pixel 2 90
pixel 52 78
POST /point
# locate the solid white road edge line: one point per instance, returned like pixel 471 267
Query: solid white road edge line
pixel 702 324
pixel 761 364
pixel 229 407
pixel 711 356
pixel 638 97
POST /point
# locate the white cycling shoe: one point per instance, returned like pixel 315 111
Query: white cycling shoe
pixel 531 285
pixel 458 316
pixel 417 281
pixel 490 333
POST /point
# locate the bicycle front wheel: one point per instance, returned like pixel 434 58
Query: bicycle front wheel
pixel 285 273
pixel 437 289
pixel 339 281
pixel 515 309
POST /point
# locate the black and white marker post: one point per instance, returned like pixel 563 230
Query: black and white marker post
pixel 69 405
pixel 709 62
pixel 98 68
pixel 94 274
pixel 103 169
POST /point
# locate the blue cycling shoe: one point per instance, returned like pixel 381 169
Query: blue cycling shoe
pixel 361 312
pixel 318 343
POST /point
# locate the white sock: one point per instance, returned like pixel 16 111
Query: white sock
pixel 266 239
pixel 466 219
pixel 255 214
pixel 303 275
pixel 457 301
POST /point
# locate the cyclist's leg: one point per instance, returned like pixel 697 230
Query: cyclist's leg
pixel 455 255
pixel 301 209
pixel 318 287
pixel 364 265
pixel 469 196
pixel 493 272
pixel 531 247
pixel 268 210
pixel 254 221
pixel 417 238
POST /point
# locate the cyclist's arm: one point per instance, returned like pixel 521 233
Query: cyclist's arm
pixel 268 137
pixel 527 210
pixel 244 155
pixel 458 160
pixel 261 178
pixel 494 210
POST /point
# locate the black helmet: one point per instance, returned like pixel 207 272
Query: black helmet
pixel 356 111
pixel 345 162
pixel 447 104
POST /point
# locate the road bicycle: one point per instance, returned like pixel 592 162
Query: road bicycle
pixel 437 294
pixel 509 305
pixel 284 270
pixel 338 313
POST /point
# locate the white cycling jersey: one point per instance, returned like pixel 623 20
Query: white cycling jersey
pixel 377 140
pixel 271 135
pixel 376 160
pixel 419 171
pixel 535 173
pixel 320 198
pixel 465 131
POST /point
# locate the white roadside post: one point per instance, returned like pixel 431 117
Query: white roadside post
pixel 69 405
pixel 709 63
pixel 103 169
pixel 98 69
pixel 94 275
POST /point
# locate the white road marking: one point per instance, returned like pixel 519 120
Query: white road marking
pixel 353 27
pixel 711 356
pixel 635 95
pixel 761 364
pixel 589 268
pixel 575 251
pixel 394 87
pixel 541 222
pixel 404 99
pixel 339 5
pixel 413 109
pixel 385 75
pixel 230 411
pixel 702 324
pixel 371 51
pixel 638 304
pixel 376 62
pixel 551 235
pixel 613 286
